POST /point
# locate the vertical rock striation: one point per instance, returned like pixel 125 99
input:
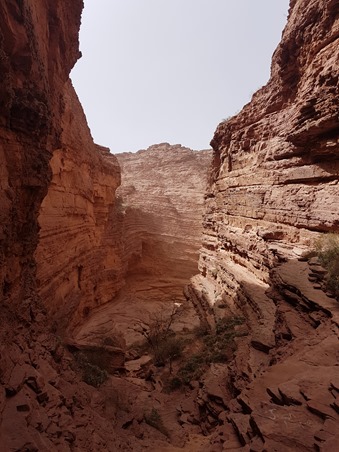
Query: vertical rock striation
pixel 38 48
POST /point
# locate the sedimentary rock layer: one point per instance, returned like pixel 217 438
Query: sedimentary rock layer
pixel 34 63
pixel 160 206
pixel 162 195
pixel 78 255
pixel 273 189
pixel 274 183
pixel 43 404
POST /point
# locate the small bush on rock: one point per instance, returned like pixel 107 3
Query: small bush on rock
pixel 92 374
pixel 154 419
pixel 327 249
pixel 163 343
pixel 218 347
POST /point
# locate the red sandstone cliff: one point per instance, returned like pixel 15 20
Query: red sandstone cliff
pixel 162 194
pixel 160 204
pixel 43 404
pixel 78 256
pixel 273 189
pixel 34 71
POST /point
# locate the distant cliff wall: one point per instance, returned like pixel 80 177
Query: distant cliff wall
pixel 162 194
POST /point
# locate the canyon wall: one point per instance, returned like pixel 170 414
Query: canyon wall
pixel 34 62
pixel 273 189
pixel 162 194
pixel 79 252
pixel 159 207
pixel 44 405
pixel 274 182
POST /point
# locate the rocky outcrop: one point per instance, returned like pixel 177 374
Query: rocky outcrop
pixel 273 189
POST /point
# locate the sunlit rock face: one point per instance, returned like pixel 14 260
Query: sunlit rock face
pixel 273 189
pixel 275 172
pixel 162 195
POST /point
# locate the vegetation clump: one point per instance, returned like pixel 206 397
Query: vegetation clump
pixel 161 340
pixel 92 373
pixel 154 419
pixel 217 347
pixel 327 249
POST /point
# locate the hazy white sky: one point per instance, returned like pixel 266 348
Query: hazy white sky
pixel 171 70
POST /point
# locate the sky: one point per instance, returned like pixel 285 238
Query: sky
pixel 156 71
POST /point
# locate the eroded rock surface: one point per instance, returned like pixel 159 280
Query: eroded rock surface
pixel 162 193
pixel 160 203
pixel 44 405
pixel 273 189
pixel 79 252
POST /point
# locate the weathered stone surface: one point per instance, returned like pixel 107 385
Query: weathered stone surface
pixel 273 189
pixel 162 194
pixel 160 205
pixel 43 404
pixel 80 211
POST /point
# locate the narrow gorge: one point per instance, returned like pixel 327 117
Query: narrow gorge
pixel 168 299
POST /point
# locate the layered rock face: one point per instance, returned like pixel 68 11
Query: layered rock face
pixel 80 232
pixel 162 195
pixel 273 189
pixel 160 206
pixel 34 71
pixel 43 404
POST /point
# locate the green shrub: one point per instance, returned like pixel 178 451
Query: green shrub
pixel 92 374
pixel 154 419
pixel 228 323
pixel 218 347
pixel 327 248
pixel 193 368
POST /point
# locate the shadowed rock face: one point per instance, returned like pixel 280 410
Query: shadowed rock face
pixel 41 122
pixel 34 63
pixel 273 189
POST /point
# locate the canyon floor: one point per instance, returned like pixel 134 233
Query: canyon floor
pixel 282 398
